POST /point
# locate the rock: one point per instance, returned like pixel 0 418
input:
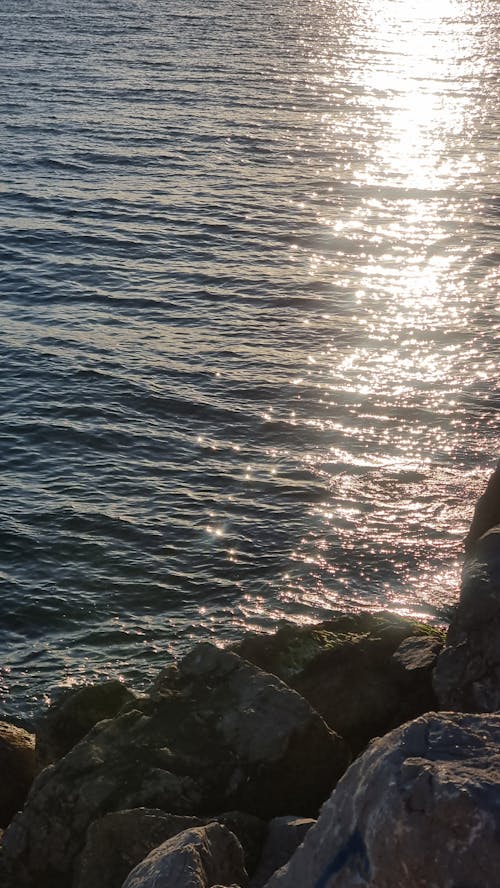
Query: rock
pixel 225 736
pixel 72 716
pixel 196 858
pixel 117 842
pixel 486 514
pixel 420 808
pixel 284 835
pixel 345 668
pixel 17 769
pixel 467 674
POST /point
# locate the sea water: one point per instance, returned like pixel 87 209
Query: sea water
pixel 249 320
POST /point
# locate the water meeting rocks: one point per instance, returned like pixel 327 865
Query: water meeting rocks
pixel 419 807
pixel 73 714
pixel 17 769
pixel 220 734
pixel 467 674
pixel 361 672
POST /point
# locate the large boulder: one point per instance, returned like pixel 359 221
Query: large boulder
pixel 346 668
pixel 17 769
pixel 73 714
pixel 221 735
pixel 120 840
pixel 419 808
pixel 467 674
pixel 203 857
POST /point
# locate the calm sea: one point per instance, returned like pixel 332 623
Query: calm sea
pixel 249 319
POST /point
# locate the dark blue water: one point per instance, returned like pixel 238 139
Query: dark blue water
pixel 249 319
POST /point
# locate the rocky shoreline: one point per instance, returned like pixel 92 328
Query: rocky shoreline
pixel 364 750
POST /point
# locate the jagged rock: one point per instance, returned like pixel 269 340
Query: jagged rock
pixel 225 736
pixel 467 674
pixel 419 808
pixel 72 716
pixel 345 668
pixel 197 858
pixel 117 842
pixel 284 835
pixel 17 769
pixel 486 513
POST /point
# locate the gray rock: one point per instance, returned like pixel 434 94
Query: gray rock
pixel 224 736
pixel 197 858
pixel 419 808
pixel 284 835
pixel 467 674
pixel 417 655
pixel 345 668
pixel 72 716
pixel 486 513
pixel 117 842
pixel 17 769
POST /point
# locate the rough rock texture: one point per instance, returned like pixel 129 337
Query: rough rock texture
pixel 72 716
pixel 467 675
pixel 345 668
pixel 197 858
pixel 223 736
pixel 117 842
pixel 284 835
pixel 486 514
pixel 17 769
pixel 419 808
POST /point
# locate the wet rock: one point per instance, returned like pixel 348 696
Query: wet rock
pixel 284 835
pixel 345 668
pixel 117 842
pixel 17 769
pixel 467 674
pixel 419 807
pixel 197 858
pixel 224 736
pixel 72 716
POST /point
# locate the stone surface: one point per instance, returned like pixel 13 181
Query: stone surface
pixel 117 842
pixel 486 514
pixel 223 736
pixel 72 716
pixel 197 858
pixel 467 674
pixel 419 808
pixel 345 668
pixel 284 835
pixel 17 769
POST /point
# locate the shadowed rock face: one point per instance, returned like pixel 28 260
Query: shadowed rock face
pixel 219 735
pixel 17 769
pixel 196 858
pixel 419 808
pixel 354 669
pixel 119 841
pixel 467 674
pixel 486 514
pixel 72 716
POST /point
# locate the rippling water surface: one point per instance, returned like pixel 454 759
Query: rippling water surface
pixel 249 319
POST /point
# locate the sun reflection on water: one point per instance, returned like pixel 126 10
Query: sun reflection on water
pixel 397 425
